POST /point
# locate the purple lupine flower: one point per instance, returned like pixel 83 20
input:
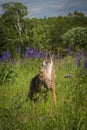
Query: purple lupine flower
pixel 85 64
pixel 34 53
pixel 28 52
pixel 42 54
pixel 19 50
pixel 5 56
pixel 79 56
pixel 39 55
pixel 78 62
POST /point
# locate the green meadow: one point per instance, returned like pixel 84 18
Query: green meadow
pixel 24 42
pixel 17 112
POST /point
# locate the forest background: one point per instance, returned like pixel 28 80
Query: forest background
pixel 53 33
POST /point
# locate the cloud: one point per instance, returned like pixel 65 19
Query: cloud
pixel 6 1
pixel 41 8
pixel 36 9
pixel 45 8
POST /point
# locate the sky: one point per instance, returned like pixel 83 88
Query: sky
pixel 50 8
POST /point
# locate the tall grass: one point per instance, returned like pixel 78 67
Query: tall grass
pixel 17 112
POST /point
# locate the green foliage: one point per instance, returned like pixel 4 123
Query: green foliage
pixel 8 73
pixel 17 30
pixel 17 112
pixel 41 37
pixel 12 26
pixel 59 27
pixel 77 36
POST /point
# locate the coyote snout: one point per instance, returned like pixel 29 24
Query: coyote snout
pixel 45 78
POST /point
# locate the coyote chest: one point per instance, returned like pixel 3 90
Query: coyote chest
pixel 47 69
pixel 47 74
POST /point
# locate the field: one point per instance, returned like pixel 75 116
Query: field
pixel 17 112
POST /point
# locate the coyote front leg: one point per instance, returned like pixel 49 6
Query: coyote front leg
pixel 54 96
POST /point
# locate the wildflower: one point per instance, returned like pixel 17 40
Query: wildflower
pixel 19 50
pixel 5 56
pixel 28 52
pixel 79 62
pixel 85 64
pixel 34 53
pixel 79 56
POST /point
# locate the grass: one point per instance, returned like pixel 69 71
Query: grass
pixel 18 113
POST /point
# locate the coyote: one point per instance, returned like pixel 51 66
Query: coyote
pixel 45 78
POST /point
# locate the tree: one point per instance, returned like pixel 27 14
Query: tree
pixel 12 23
pixel 77 19
pixel 60 26
pixel 77 36
pixel 41 35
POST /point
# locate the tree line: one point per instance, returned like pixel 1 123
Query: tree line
pixel 52 33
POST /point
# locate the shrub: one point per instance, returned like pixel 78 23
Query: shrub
pixel 7 73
